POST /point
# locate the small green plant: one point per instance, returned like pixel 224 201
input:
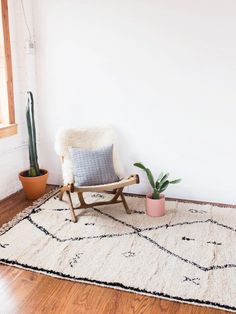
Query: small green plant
pixel 34 170
pixel 161 183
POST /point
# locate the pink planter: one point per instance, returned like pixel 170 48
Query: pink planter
pixel 155 208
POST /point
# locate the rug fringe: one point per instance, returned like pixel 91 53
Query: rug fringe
pixel 27 211
pixel 107 285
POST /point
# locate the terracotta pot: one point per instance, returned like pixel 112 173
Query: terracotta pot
pixel 34 187
pixel 155 207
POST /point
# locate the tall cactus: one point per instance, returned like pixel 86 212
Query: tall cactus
pixel 33 157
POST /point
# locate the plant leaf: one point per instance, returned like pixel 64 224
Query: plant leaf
pixel 160 176
pixel 148 172
pixel 175 181
pixel 162 183
pixel 140 165
pixel 150 177
pixel 164 186
pixel 165 177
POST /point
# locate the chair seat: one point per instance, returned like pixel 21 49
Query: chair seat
pixel 110 186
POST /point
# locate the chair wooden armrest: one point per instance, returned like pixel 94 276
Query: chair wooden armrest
pixel 133 179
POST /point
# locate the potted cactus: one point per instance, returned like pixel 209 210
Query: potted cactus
pixel 155 203
pixel 34 179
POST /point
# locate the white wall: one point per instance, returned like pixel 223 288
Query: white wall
pixel 13 149
pixel 162 72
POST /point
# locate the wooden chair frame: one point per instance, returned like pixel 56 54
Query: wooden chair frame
pixel 116 188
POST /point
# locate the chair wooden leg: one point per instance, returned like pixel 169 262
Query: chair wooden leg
pixel 61 193
pixel 81 199
pixel 74 219
pixel 118 193
pixel 128 211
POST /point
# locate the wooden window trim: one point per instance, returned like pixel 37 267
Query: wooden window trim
pixel 10 128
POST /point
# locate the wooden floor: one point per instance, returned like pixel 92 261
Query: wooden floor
pixel 28 292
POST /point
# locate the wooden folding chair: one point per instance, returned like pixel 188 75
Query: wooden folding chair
pixel 90 138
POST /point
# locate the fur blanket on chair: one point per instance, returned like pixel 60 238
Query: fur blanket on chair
pixel 91 138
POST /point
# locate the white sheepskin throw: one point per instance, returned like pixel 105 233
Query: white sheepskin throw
pixel 91 138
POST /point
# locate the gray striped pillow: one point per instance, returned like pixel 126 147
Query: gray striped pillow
pixel 93 167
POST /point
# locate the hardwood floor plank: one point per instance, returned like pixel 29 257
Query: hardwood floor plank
pixel 26 292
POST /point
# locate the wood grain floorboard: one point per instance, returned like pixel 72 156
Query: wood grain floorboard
pixel 26 292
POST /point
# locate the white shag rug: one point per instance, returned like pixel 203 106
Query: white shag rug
pixel 188 255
